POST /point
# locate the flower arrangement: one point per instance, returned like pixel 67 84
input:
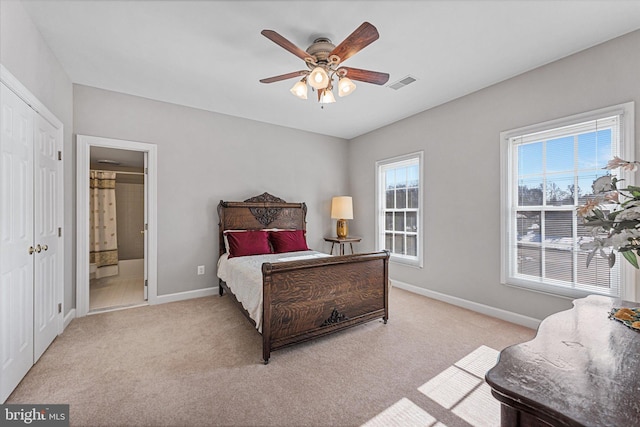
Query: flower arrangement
pixel 617 228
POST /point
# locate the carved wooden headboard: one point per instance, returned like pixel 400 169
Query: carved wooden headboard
pixel 256 213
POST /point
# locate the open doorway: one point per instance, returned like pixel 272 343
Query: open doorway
pixel 116 228
pixel 116 211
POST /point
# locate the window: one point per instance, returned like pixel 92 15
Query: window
pixel 399 201
pixel 548 171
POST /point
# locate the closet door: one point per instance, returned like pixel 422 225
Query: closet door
pixel 47 168
pixel 16 241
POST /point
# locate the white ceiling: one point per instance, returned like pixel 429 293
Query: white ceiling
pixel 210 54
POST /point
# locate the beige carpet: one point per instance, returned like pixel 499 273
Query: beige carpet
pixel 198 363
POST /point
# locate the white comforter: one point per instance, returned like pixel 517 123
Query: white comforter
pixel 243 276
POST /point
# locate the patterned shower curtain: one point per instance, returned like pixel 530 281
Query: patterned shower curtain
pixel 103 240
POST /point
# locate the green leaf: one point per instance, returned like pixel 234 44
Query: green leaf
pixel 590 257
pixel 612 259
pixel 631 257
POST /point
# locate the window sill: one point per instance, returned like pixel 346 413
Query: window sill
pixel 415 263
pixel 552 290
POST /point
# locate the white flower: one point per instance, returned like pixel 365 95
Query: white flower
pixel 622 239
pixel 593 244
pixel 613 228
pixel 602 184
pixel 629 214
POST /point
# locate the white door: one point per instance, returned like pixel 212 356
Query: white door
pixel 16 241
pixel 47 169
pixel 146 227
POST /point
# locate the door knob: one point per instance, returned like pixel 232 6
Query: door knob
pixel 45 247
pixel 38 249
pixel 31 250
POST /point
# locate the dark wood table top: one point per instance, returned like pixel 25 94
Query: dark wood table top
pixel 581 369
pixel 348 239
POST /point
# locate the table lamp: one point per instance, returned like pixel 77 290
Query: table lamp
pixel 342 210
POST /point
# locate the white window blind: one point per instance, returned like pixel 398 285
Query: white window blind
pixel 549 173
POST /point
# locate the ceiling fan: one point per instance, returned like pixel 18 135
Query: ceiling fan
pixel 324 59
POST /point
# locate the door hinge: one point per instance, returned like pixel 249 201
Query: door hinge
pixel 146 282
pixel 59 307
pixel 59 155
pixel 59 231
pixel 146 226
pixel 146 171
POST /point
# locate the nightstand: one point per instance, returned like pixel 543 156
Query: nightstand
pixel 341 241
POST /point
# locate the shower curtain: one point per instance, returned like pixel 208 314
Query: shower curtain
pixel 103 240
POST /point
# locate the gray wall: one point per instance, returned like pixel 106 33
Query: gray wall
pixel 25 54
pixel 204 157
pixel 462 168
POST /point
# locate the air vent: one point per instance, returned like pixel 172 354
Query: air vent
pixel 402 83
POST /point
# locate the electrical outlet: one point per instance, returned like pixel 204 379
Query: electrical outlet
pixel 200 270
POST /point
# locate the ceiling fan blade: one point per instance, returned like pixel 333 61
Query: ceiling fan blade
pixel 366 76
pixel 286 44
pixel 362 37
pixel 284 76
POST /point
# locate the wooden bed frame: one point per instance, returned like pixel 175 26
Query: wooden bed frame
pixel 306 299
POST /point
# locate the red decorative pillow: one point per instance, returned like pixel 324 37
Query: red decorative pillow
pixel 248 243
pixel 288 241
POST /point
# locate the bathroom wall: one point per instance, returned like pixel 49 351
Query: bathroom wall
pixel 130 216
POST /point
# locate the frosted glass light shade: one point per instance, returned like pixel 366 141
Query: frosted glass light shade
pixel 327 96
pixel 342 207
pixel 300 90
pixel 345 87
pixel 319 78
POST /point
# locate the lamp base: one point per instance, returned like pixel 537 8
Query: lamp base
pixel 341 228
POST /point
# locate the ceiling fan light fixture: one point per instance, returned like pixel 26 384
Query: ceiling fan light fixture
pixel 300 89
pixel 345 86
pixel 319 78
pixel 327 96
pixel 323 62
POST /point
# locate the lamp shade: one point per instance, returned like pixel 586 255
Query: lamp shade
pixel 327 96
pixel 342 207
pixel 319 78
pixel 345 87
pixel 300 90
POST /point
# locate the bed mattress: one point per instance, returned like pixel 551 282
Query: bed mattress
pixel 243 276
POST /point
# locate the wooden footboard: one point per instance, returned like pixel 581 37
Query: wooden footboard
pixel 306 299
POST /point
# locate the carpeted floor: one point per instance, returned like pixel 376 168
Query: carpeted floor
pixel 198 363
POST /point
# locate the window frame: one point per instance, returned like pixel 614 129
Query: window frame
pixel 381 167
pixel 625 150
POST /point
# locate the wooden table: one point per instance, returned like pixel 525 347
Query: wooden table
pixel 341 241
pixel 581 369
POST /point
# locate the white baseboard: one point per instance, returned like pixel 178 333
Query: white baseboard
pixel 180 296
pixel 509 316
pixel 68 318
